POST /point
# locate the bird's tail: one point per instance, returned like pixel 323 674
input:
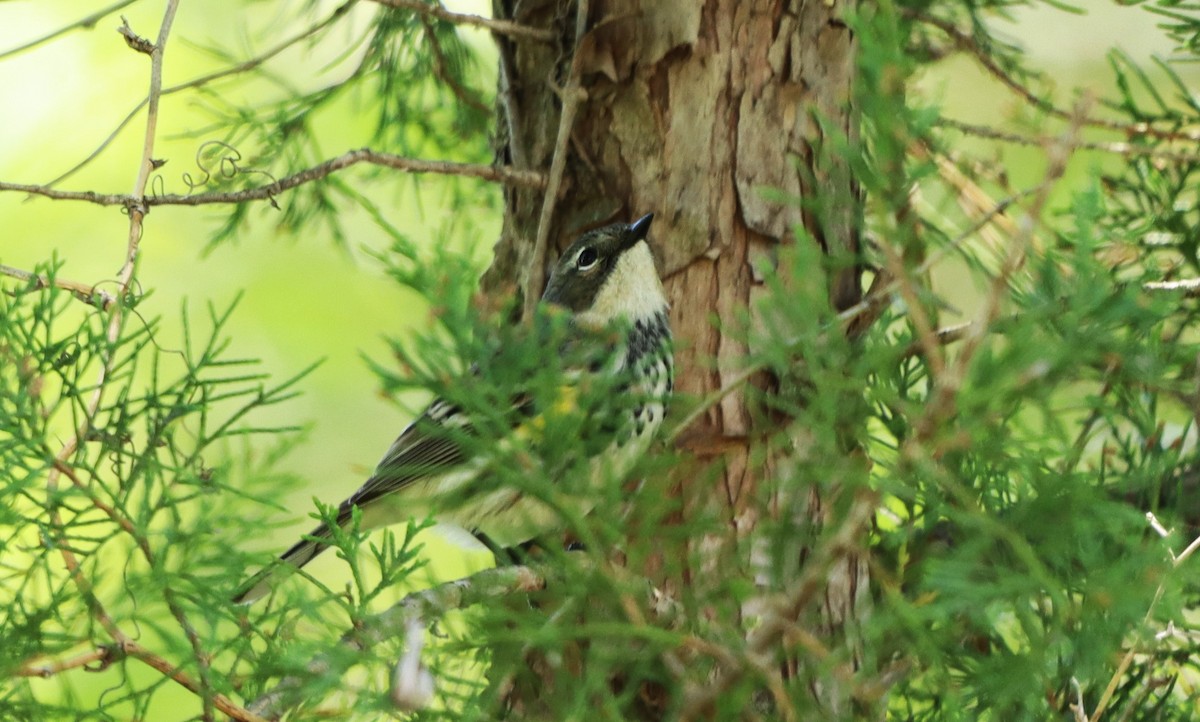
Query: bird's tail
pixel 301 553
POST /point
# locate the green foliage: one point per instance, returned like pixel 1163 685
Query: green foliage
pixel 132 525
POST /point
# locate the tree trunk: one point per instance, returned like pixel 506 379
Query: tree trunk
pixel 691 110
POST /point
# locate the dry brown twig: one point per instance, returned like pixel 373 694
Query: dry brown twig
pixel 494 174
pixel 1126 660
pixel 571 95
pixel 422 605
pixel 100 658
pixel 443 73
pixel 964 41
pixel 945 388
pixel 87 23
pixel 93 660
pixel 135 204
pixel 90 295
pixel 1117 148
pixel 500 27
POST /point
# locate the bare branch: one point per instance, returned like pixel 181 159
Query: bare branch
pixel 202 80
pixel 494 174
pixel 966 42
pixel 88 294
pixel 1118 148
pixel 220 701
pixel 443 73
pixel 137 211
pixel 500 27
pixel 93 660
pixel 102 657
pixel 425 604
pixel 1189 286
pixel 86 23
pixel 571 95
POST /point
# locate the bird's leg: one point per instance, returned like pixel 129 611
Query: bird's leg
pixel 507 556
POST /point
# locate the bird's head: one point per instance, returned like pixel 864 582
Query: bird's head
pixel 608 275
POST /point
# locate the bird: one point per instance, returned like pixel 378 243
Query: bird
pixel 616 331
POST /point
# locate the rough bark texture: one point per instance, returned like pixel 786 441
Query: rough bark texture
pixel 692 109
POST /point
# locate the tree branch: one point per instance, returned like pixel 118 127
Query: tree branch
pixel 393 623
pixel 1118 148
pixel 87 22
pixel 102 657
pixel 88 294
pixel 220 701
pixel 500 27
pixel 780 614
pixel 203 80
pixel 494 174
pixel 443 72
pixel 966 42
pixel 137 211
pixel 1189 286
pixel 571 95
pixel 93 661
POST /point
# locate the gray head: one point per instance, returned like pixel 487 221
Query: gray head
pixel 608 274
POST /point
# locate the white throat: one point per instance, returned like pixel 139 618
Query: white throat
pixel 631 292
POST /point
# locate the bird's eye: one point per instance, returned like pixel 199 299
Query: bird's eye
pixel 587 258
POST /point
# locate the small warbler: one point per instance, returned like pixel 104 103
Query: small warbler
pixel 607 286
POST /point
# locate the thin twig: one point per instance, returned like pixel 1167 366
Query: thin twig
pixel 102 657
pixel 494 174
pixel 93 661
pixel 508 101
pixel 248 64
pixel 90 295
pixel 1189 286
pixel 1119 148
pixel 137 211
pixel 966 42
pixel 501 27
pixel 220 701
pixel 442 71
pixel 780 611
pixel 879 297
pixel 572 93
pixel 425 604
pixel 87 22
pixel 1127 659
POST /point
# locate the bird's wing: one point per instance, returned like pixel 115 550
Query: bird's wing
pixel 431 445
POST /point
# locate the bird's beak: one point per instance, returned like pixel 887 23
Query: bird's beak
pixel 638 229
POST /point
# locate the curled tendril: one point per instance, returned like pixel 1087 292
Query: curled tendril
pixel 114 688
pixel 228 166
pixel 158 186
